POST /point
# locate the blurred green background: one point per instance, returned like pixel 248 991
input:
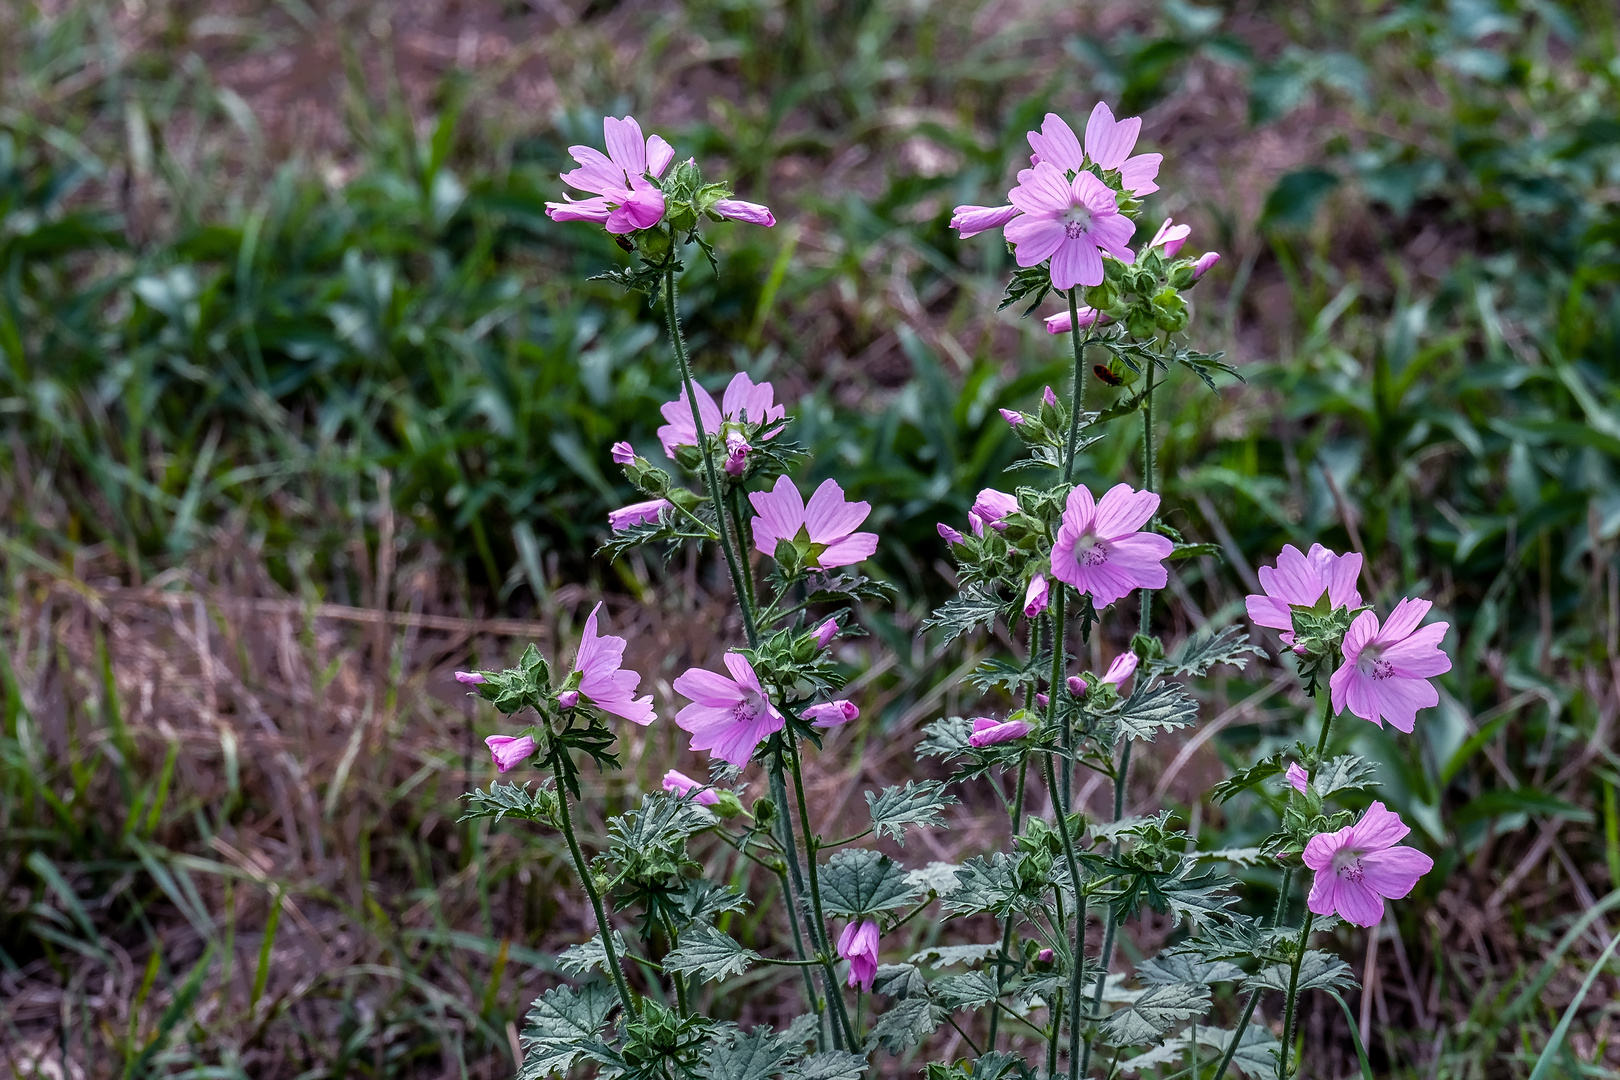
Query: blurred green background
pixel 285 335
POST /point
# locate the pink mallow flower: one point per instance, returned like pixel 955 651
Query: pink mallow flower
pixel 625 200
pixel 623 453
pixel 1300 581
pixel 1100 549
pixel 509 751
pixel 744 401
pixel 1171 237
pixel 637 513
pixel 751 213
pixel 859 945
pixel 988 732
pixel 604 681
pixel 991 507
pixel 1123 667
pixel 678 783
pixel 1087 317
pixel 1297 777
pixel 1070 222
pixel 826 632
pixel 1361 866
pixel 1037 596
pixel 828 523
pixel 1109 143
pixel 831 714
pixel 1386 671
pixel 727 717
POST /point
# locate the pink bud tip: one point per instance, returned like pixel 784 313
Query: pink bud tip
pixel 988 732
pixel 1011 417
pixel 749 212
pixel 737 451
pixel 1062 324
pixel 1037 596
pixel 826 632
pixel 1205 261
pixel 1123 667
pixel 568 699
pixel 1042 700
pixel 1077 686
pixel 1298 777
pixel 1045 956
pixel 508 752
pixel 470 678
pixel 678 783
pixel 949 534
pixel 831 713
pixel 1049 397
pixel 623 454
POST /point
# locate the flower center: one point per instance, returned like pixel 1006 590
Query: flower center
pixel 1089 550
pixel 1347 864
pixel 748 709
pixel 1374 666
pixel 1076 222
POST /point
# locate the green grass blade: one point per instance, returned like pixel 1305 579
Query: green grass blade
pixel 1355 1037
pixel 1550 1052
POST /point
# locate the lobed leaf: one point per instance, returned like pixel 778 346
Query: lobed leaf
pixel 1160 1008
pixel 560 1024
pixel 1154 707
pixel 915 804
pixel 1318 970
pixel 911 1020
pixel 706 952
pixel 858 881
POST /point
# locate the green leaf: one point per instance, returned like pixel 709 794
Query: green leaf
pixel 709 954
pixel 1347 772
pixel 971 990
pixel 1203 651
pixel 660 825
pixel 1318 970
pixel 971 608
pixel 559 1024
pixel 950 955
pixel 946 737
pixel 910 1021
pixel 1154 707
pixel 1256 1052
pixel 915 804
pixel 578 959
pixel 516 800
pixel 1180 967
pixel 899 981
pixel 758 1055
pixel 828 1065
pixel 938 878
pixel 1158 1010
pixel 857 882
pixel 1255 774
pixel 985 885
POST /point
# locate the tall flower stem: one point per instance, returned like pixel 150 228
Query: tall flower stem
pixel 1077 953
pixel 810 995
pixel 815 892
pixel 1017 822
pixel 603 928
pixel 1077 403
pixel 711 478
pixel 1293 992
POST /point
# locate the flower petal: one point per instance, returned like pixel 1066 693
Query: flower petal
pixel 828 517
pixel 1108 142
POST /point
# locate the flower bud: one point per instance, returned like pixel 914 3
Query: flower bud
pixel 949 534
pixel 1042 700
pixel 831 713
pixel 568 699
pixel 764 812
pixel 1123 667
pixel 508 751
pixel 1011 417
pixel 826 632
pixel 470 678
pixel 622 453
pixel 1046 956
pixel 737 450
pixel 1037 596
pixel 1077 686
pixel 727 805
pixel 1204 263
pixel 1049 397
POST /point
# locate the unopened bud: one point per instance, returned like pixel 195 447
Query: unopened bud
pixel 1011 417
pixel 1077 686
pixel 623 454
pixel 568 699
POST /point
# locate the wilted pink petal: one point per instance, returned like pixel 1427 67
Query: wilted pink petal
pixel 831 713
pixel 678 783
pixel 987 732
pixel 749 212
pixel 510 751
pixel 859 945
pixel 637 513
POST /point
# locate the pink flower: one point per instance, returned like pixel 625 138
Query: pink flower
pixel 568 699
pixel 1386 672
pixel 1300 581
pixel 1050 397
pixel 1078 686
pixel 737 451
pixel 470 678
pixel 1109 144
pixel 1042 700
pixel 988 732
pixel 1123 667
pixel 727 717
pixel 826 632
pixel 1045 956
pixel 604 682
pixel 625 200
pixel 510 751
pixel 1361 866
pixel 1099 548
pixel 1205 261
pixel 992 506
pixel 637 513
pixel 1088 317
pixel 1013 418
pixel 623 453
pixel 1171 237
pixel 678 783
pixel 1299 778
pixel 973 220
pixel 1037 596
pixel 830 714
pixel 828 523
pixel 750 212
pixel 1070 222
pixel 859 945
pixel 949 534
pixel 745 401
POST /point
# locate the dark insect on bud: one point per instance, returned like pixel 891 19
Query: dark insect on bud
pixel 624 242
pixel 1102 372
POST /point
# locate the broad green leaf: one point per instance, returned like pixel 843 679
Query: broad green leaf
pixel 1318 970
pixel 1158 1010
pixel 914 804
pixel 908 1021
pixel 758 1055
pixel 1154 707
pixel 558 1025
pixel 709 954
pixel 828 1065
pixel 858 881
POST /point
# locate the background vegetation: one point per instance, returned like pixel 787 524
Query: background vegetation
pixel 304 403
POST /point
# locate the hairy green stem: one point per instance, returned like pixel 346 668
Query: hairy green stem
pixel 1237 1034
pixel 602 926
pixel 1293 992
pixel 739 528
pixel 1077 953
pixel 1017 820
pixel 1052 1040
pixel 815 891
pixel 1078 401
pixel 710 477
